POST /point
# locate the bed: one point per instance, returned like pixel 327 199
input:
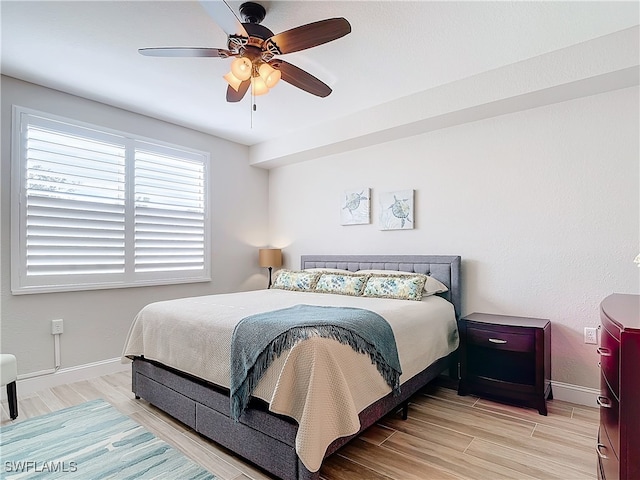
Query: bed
pixel 267 433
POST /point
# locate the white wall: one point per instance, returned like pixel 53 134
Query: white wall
pixel 96 322
pixel 542 205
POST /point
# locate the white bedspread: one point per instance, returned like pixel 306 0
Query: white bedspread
pixel 194 335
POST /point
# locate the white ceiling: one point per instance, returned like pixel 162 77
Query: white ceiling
pixel 395 49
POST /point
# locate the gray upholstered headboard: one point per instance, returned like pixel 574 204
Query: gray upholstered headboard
pixel 445 268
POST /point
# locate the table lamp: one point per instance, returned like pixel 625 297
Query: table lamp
pixel 270 257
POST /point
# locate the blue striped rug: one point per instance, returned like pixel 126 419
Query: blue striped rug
pixel 90 441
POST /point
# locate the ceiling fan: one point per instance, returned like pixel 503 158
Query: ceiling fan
pixel 254 47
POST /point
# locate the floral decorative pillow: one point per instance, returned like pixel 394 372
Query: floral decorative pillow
pixel 402 287
pixel 431 285
pixel 341 283
pixel 295 280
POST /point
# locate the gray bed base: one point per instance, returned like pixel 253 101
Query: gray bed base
pixel 262 437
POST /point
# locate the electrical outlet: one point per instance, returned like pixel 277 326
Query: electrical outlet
pixel 591 335
pixel 56 327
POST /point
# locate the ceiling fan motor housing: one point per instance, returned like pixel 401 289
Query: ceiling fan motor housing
pixel 252 12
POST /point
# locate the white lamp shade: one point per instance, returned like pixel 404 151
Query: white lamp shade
pixel 258 87
pixel 270 75
pixel 241 68
pixel 233 81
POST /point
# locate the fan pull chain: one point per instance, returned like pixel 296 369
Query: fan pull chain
pixel 253 107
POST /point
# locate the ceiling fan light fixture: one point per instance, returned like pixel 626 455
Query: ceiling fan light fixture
pixel 258 86
pixel 241 68
pixel 251 48
pixel 270 75
pixel 233 81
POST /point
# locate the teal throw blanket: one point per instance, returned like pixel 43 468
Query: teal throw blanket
pixel 259 339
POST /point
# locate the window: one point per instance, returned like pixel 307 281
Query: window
pixel 95 208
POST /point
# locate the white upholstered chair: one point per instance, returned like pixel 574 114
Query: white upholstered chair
pixel 8 377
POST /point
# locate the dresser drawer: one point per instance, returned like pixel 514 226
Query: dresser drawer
pixel 500 340
pixel 609 351
pixel 607 458
pixel 609 414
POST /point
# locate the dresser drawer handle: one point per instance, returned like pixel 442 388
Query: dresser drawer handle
pixel 600 454
pixel 497 340
pixel 604 352
pixel 603 401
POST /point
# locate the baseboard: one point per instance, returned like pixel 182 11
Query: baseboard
pixel 561 391
pixel 575 394
pixel 30 385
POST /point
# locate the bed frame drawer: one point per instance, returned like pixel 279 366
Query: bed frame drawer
pixel 162 397
pixel 216 398
pixel 247 442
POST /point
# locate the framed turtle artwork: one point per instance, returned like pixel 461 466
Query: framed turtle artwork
pixel 396 210
pixel 355 207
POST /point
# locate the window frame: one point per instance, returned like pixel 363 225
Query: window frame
pixel 21 283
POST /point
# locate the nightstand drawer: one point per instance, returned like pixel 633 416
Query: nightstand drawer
pixel 497 340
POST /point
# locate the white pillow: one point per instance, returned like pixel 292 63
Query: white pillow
pixel 431 285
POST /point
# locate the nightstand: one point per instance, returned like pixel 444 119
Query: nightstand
pixel 506 359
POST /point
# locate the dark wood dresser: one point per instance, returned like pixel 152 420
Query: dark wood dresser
pixel 618 445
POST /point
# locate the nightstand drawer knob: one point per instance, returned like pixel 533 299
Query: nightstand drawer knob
pixel 497 340
pixel 603 401
pixel 604 352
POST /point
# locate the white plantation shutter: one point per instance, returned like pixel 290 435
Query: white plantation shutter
pixel 169 212
pixel 75 195
pixel 100 209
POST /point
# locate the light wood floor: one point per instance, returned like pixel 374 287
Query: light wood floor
pixel 445 437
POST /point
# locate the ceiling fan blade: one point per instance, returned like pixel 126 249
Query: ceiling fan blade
pixel 184 52
pixel 224 16
pixel 301 79
pixel 310 35
pixel 233 96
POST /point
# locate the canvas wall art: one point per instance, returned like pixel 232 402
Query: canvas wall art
pixel 396 210
pixel 355 206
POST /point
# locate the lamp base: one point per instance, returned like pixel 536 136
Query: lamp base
pixel 270 268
